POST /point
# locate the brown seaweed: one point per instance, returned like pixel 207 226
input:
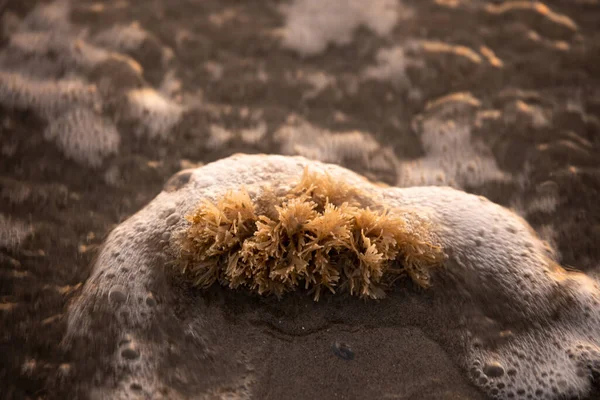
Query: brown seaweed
pixel 318 235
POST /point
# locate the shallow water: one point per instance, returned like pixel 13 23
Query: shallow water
pixel 101 102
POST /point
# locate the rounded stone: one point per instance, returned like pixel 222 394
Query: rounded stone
pixel 117 294
pixel 493 369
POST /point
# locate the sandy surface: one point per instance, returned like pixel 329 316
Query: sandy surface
pixel 101 102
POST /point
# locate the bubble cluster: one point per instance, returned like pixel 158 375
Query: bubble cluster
pixel 12 232
pixel 84 136
pixel 85 89
pixel 154 112
pixel 311 25
pixel 355 149
pixel 453 156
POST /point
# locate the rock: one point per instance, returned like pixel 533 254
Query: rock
pixel 494 261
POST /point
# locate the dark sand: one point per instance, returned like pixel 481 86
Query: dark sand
pixel 543 133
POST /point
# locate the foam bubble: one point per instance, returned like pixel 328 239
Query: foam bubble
pixel 83 136
pixel 68 51
pixel 122 37
pixel 392 64
pixel 312 24
pixel 47 98
pixel 219 137
pixel 12 232
pixel 50 68
pixel 452 156
pixel 156 113
pixel 49 16
pixel 355 149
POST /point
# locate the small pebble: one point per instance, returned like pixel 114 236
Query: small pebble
pixel 343 351
pixel 150 300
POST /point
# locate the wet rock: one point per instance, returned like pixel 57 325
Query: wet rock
pixel 517 292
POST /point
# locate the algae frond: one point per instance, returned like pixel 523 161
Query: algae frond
pixel 320 235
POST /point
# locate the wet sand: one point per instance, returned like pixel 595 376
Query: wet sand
pixel 497 99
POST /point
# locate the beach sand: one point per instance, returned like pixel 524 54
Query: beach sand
pixel 102 102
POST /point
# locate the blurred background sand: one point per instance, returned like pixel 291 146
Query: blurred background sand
pixel 101 102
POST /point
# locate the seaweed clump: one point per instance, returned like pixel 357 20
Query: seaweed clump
pixel 321 234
